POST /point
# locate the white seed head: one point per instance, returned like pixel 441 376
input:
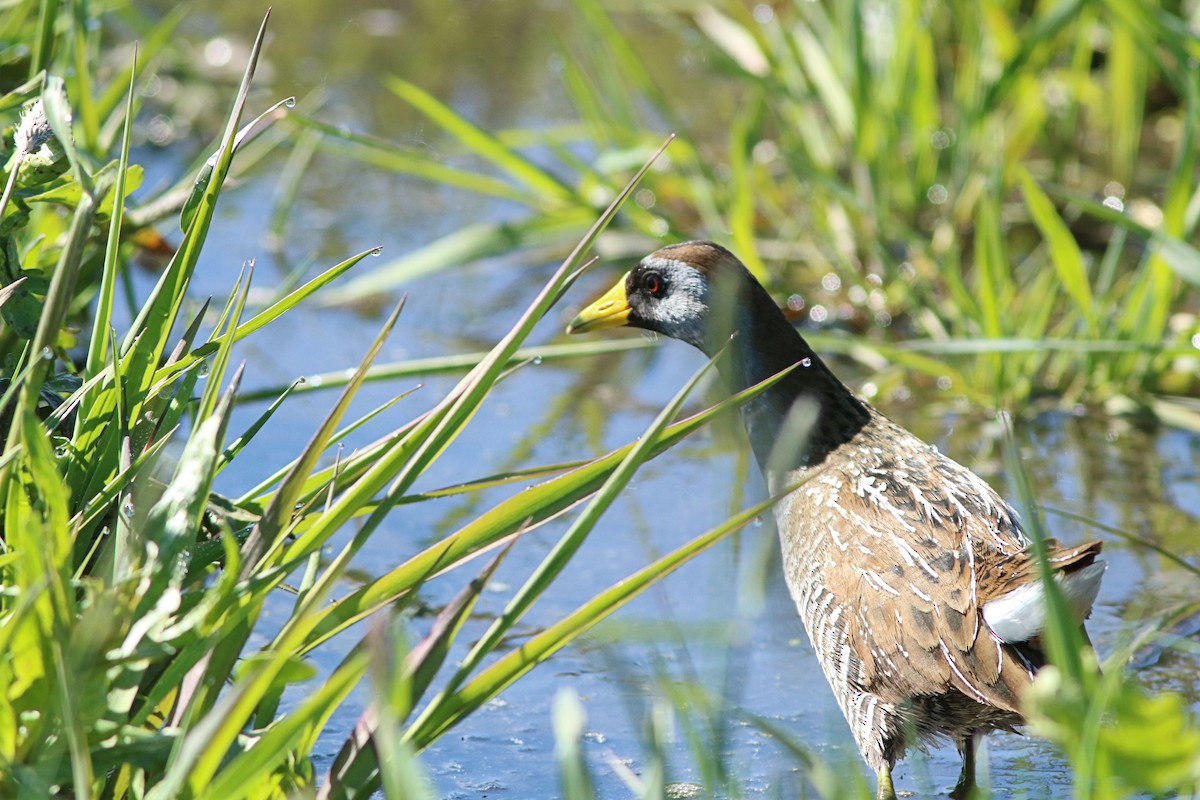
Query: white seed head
pixel 34 130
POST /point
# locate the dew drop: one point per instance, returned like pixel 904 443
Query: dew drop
pixel 127 507
pixel 537 359
pixel 376 251
pixel 301 380
pixel 806 362
pixel 290 102
pixel 47 354
pixel 202 371
pixel 758 521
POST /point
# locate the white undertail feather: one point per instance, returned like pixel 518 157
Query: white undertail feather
pixel 1020 615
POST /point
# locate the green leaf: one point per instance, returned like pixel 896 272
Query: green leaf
pixel 1064 250
pixel 483 144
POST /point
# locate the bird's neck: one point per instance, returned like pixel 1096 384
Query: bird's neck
pixel 808 413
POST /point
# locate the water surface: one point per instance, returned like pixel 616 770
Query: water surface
pixel 723 625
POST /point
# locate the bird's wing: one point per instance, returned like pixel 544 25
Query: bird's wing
pixel 917 628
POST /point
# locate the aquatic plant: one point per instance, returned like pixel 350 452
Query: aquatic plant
pixel 997 198
pixel 130 588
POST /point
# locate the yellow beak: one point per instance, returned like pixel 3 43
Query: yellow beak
pixel 611 310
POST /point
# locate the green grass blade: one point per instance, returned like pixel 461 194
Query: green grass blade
pixel 557 559
pixel 537 649
pixel 409 457
pixel 483 144
pixel 97 357
pixel 522 512
pixel 237 779
pixel 1064 250
pixel 386 155
pixel 266 534
pixel 469 243
pixel 452 364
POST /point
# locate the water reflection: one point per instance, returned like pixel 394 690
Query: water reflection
pixel 721 635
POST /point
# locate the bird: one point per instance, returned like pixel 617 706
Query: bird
pixel 916 584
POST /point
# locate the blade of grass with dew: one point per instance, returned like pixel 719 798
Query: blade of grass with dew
pixel 200 187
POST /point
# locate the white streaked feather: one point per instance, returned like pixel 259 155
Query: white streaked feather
pixel 1020 615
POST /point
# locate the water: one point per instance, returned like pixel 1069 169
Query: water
pixel 724 623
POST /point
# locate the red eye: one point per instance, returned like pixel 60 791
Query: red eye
pixel 653 284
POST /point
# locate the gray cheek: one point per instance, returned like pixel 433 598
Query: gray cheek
pixel 684 318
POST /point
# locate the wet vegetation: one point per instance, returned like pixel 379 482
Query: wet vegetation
pixel 997 200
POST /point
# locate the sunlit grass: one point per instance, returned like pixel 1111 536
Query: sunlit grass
pixel 131 589
pixel 948 174
pixel 979 182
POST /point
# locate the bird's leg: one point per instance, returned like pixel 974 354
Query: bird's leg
pixel 886 790
pixel 966 780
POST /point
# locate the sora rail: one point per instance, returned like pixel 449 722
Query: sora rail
pixel 915 582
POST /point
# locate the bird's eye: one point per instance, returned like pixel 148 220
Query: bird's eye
pixel 654 284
